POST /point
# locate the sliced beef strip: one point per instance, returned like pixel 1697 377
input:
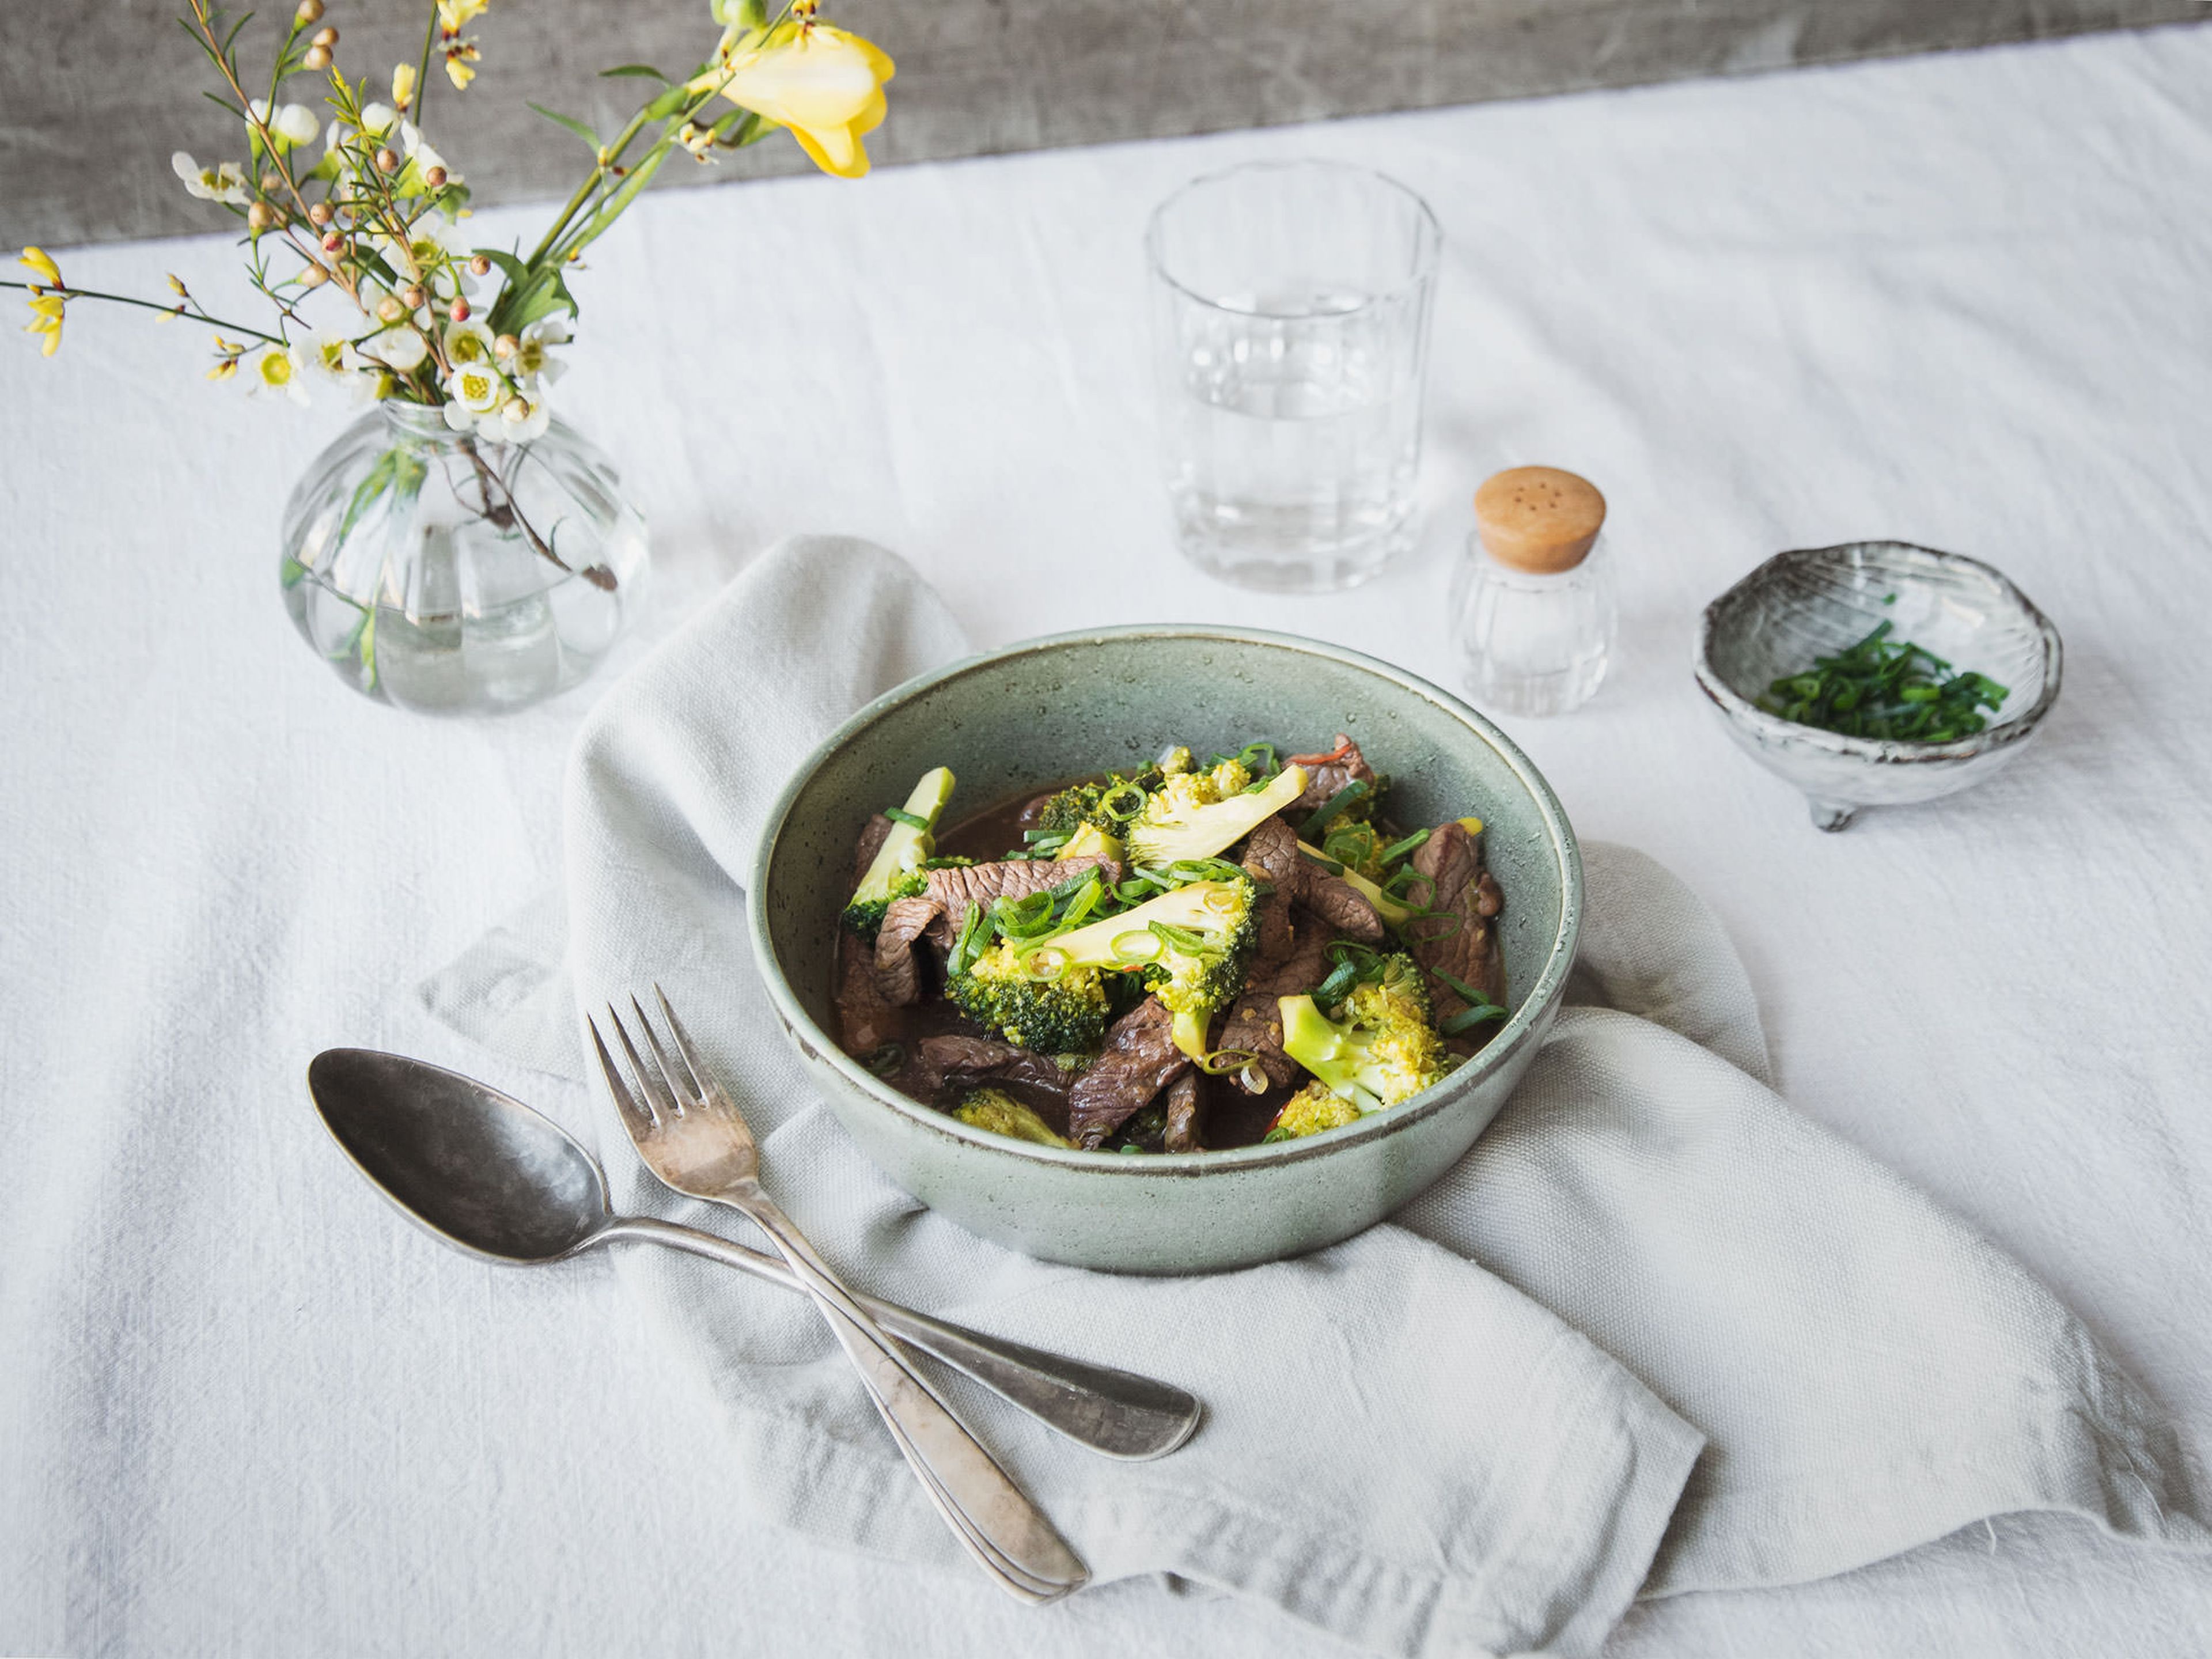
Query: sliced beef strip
pixel 1139 1061
pixel 872 834
pixel 1342 906
pixel 1183 1099
pixel 943 1064
pixel 898 969
pixel 865 1020
pixel 954 891
pixel 1270 851
pixel 1327 773
pixel 1255 1022
pixel 1450 864
pixel 1271 855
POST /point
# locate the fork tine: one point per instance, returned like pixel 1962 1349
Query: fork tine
pixel 710 1091
pixel 649 1081
pixel 675 1072
pixel 637 1119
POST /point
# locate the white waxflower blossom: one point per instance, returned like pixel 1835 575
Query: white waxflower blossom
pixel 225 183
pixel 422 154
pixel 377 119
pixel 477 387
pixel 520 419
pixel 289 125
pixel 400 349
pixel 533 363
pixel 468 345
pixel 277 371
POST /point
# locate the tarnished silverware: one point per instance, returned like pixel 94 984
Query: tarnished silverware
pixel 694 1137
pixel 488 1175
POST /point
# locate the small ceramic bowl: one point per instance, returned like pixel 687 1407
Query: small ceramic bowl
pixel 1800 605
pixel 1053 708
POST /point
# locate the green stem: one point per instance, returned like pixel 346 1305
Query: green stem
pixel 613 154
pixel 422 74
pixel 195 315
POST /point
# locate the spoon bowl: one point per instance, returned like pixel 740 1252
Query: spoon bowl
pixel 476 1168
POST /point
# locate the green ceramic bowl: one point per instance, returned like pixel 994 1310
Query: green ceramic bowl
pixel 1074 703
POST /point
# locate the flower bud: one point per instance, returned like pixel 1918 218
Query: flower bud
pixel 460 309
pixel 390 310
pixel 412 296
pixel 313 276
pixel 316 57
pixel 506 345
pixel 332 241
pixel 320 214
pixel 387 160
pixel 479 266
pixel 176 285
pixel 434 178
pixel 308 11
pixel 271 182
pixel 325 37
pixel 260 216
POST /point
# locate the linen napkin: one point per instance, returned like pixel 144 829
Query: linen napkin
pixel 1656 1330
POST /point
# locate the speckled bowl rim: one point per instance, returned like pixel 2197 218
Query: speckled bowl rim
pixel 1881 750
pixel 1518 1031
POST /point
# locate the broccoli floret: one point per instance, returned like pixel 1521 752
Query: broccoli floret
pixel 1379 1050
pixel 1177 760
pixel 1062 1013
pixel 897 870
pixel 1002 1115
pixel 1190 817
pixel 1191 945
pixel 1087 802
pixel 1313 1108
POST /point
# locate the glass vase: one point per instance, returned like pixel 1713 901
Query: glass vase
pixel 447 573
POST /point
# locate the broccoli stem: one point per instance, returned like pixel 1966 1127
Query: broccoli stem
pixel 906 847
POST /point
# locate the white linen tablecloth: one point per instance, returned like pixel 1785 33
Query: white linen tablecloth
pixel 1959 300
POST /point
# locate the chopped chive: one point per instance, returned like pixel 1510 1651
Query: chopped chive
pixel 1398 849
pixel 1347 796
pixel 900 815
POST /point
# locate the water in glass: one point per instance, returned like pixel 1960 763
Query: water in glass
pixel 1290 313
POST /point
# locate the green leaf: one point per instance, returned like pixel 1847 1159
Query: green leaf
pixel 395 471
pixel 667 104
pixel 646 70
pixel 573 125
pixel 291 573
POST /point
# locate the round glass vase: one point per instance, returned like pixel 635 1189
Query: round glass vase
pixel 448 573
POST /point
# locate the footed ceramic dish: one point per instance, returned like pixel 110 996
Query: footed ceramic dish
pixel 1813 602
pixel 1011 721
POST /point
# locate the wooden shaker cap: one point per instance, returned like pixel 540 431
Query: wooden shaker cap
pixel 1538 518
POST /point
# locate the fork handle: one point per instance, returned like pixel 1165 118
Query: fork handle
pixel 1007 1534
pixel 1115 1412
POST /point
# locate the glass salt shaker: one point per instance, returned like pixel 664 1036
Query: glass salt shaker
pixel 1533 615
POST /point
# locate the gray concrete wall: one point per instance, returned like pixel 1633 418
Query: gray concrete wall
pixel 95 94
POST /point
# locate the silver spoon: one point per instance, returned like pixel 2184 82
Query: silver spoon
pixel 496 1179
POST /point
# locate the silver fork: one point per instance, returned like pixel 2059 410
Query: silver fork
pixel 692 1136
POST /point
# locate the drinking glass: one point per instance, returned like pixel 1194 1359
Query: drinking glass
pixel 1290 326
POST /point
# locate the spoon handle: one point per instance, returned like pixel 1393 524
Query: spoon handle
pixel 1116 1413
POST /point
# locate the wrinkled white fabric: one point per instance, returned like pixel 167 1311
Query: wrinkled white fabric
pixel 1869 1375
pixel 1957 298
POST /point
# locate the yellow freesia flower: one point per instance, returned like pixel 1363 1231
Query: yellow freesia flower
pixel 45 309
pixel 403 86
pixel 454 15
pixel 825 85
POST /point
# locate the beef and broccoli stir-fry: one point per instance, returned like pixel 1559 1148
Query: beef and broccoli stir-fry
pixel 1197 954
